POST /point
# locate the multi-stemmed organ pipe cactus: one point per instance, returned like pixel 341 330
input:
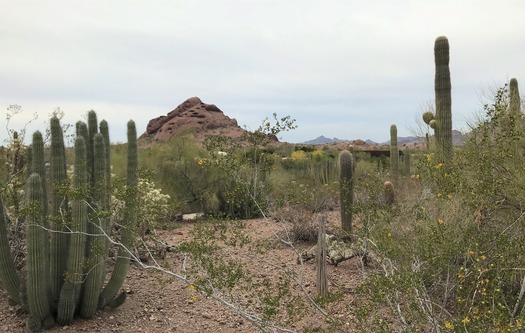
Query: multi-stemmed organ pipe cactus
pixel 65 263
pixel 346 164
pixel 442 89
pixel 394 153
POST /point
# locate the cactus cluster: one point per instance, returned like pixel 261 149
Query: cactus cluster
pixel 67 242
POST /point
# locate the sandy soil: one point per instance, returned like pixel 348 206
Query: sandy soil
pixel 156 304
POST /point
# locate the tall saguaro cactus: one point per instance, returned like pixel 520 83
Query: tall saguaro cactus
pixel 346 163
pixel 442 88
pixel 514 99
pixel 394 153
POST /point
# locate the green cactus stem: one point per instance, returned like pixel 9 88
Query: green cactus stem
pixel 37 258
pixel 107 297
pixel 514 99
pixel 346 161
pixel 8 276
pixel 96 248
pixel 92 130
pixel 442 88
pixel 59 240
pixel 394 153
pixel 74 276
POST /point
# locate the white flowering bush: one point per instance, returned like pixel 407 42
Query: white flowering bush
pixel 154 205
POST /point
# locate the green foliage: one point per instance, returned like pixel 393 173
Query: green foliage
pixel 453 243
pixel 247 162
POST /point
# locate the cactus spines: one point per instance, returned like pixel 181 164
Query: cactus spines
pixel 346 163
pixel 37 258
pixel 442 88
pixel 70 292
pixel 121 267
pixel 389 193
pixel 394 153
pixel 8 276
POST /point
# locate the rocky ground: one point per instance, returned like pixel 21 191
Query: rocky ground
pixel 156 303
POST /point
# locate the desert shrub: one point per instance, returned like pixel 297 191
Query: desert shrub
pixel 247 163
pixel 452 246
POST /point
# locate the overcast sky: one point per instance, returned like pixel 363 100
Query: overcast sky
pixel 345 69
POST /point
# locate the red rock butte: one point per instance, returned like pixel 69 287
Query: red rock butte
pixel 192 116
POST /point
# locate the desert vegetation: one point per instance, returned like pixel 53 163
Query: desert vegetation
pixel 435 235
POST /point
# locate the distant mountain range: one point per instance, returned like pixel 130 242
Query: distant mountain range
pixel 321 140
pixel 457 138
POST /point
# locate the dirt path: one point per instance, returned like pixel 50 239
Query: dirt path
pixel 158 304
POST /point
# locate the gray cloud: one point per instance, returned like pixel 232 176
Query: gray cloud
pixel 341 68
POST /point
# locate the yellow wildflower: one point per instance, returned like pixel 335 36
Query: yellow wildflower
pixel 191 287
pixel 439 195
pixel 201 162
pixel 440 221
pixel 466 320
pixel 449 325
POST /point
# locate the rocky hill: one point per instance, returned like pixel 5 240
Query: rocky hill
pixel 193 116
